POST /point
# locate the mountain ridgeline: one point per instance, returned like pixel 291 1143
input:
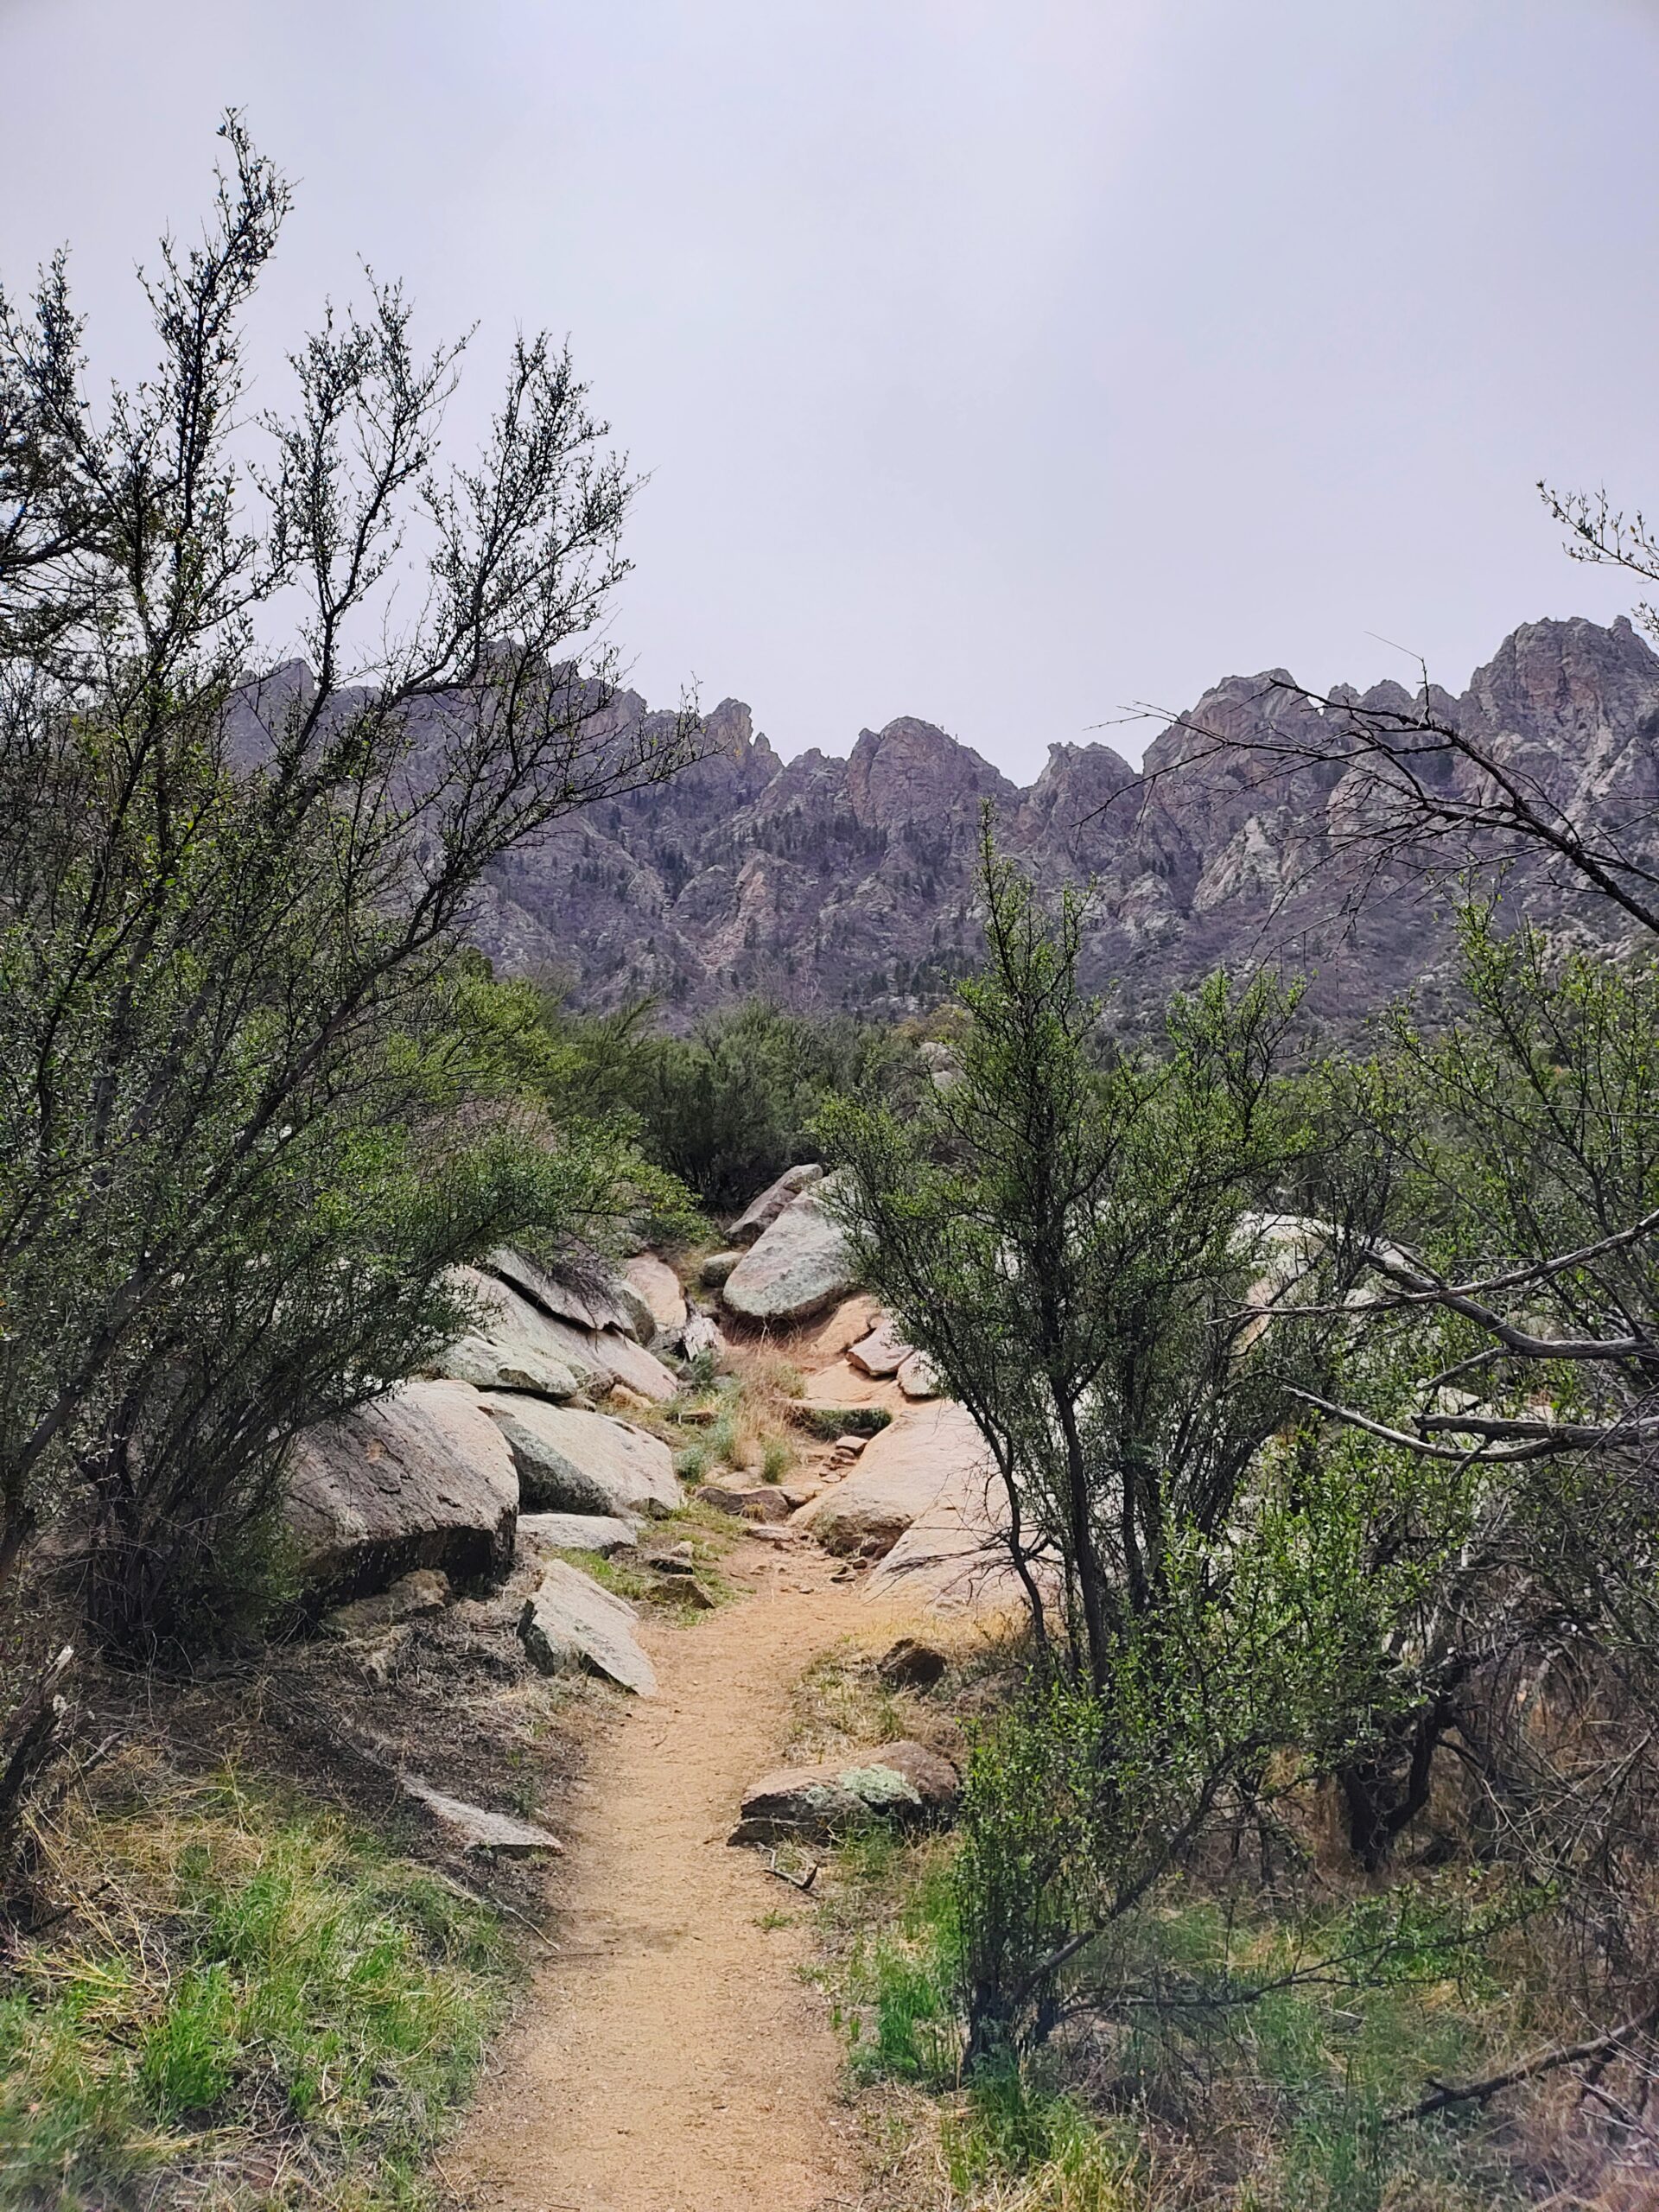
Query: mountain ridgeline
pixel 825 883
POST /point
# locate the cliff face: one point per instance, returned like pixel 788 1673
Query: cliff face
pixel 828 882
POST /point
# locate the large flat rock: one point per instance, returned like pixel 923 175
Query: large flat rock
pixel 569 1461
pixel 900 1474
pixel 421 1478
pixel 569 1623
pixel 599 1300
pixel 604 1533
pixel 798 1266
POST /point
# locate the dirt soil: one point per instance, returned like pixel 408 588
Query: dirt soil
pixel 671 2057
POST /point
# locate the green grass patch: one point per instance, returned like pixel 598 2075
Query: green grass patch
pixel 237 1971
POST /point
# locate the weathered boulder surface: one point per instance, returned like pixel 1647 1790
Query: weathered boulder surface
pixel 516 1346
pixel 772 1200
pixel 421 1478
pixel 899 1475
pixel 572 1462
pixel 425 1590
pixel 904 1784
pixel 604 1533
pixel 716 1268
pixel 798 1266
pixel 571 1623
pixel 631 1364
pixel 880 1354
pixel 657 1283
pixel 601 1301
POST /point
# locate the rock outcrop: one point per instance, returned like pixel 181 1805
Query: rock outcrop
pixel 830 883
pixel 422 1478
pixel 765 1210
pixel 899 1475
pixel 569 1461
pixel 798 1266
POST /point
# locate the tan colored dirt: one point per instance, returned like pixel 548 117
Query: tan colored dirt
pixel 671 2057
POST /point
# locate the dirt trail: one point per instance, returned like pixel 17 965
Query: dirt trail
pixel 670 2058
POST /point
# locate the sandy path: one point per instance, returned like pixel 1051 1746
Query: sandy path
pixel 670 2058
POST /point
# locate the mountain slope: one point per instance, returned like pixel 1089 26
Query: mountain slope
pixel 830 882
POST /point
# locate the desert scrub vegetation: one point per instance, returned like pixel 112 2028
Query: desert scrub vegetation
pixel 235 1998
pixel 1319 1392
pixel 740 1421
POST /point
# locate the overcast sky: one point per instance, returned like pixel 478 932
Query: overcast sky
pixel 998 361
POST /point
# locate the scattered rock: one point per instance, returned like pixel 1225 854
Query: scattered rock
pixel 747 1501
pixel 848 1447
pixel 909 1665
pixel 797 1494
pixel 571 1462
pixel 426 1591
pixel 715 1268
pixel 900 1474
pixel 773 1200
pixel 798 1266
pixel 906 1783
pixel 678 1559
pixel 604 1533
pixel 472 1828
pixel 701 1336
pixel 622 1400
pixel 918 1377
pixel 422 1477
pixel 570 1623
pixel 659 1286
pixel 883 1352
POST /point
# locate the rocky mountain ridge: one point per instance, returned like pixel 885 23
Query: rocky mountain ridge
pixel 826 882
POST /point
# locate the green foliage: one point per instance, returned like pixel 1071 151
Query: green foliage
pixel 728 1108
pixel 255 1099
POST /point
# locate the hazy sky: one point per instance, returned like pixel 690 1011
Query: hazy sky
pixel 1001 364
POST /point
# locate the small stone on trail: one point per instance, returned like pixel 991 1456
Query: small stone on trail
pixel 475 1828
pixel 909 1665
pixel 905 1783
pixel 570 1623
pixel 883 1352
pixel 848 1447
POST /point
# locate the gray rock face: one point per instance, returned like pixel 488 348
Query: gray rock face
pixel 716 1268
pixel 798 1267
pixel 918 1377
pixel 747 1500
pixel 421 1478
pixel 603 1302
pixel 604 1533
pixel 516 1346
pixel 827 883
pixel 766 1209
pixel 572 1462
pixel 904 1783
pixel 630 1363
pixel 571 1623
